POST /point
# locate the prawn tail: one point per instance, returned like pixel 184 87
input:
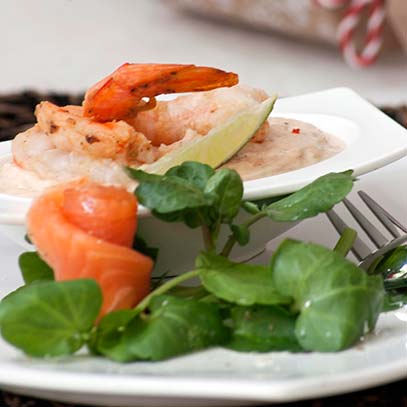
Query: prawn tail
pixel 120 95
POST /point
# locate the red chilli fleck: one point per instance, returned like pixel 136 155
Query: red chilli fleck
pixel 296 130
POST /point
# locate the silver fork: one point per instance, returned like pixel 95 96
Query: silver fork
pixel 362 252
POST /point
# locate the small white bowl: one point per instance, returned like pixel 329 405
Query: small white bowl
pixel 372 140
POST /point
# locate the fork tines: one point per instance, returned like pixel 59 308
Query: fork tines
pixel 360 249
pixel 385 217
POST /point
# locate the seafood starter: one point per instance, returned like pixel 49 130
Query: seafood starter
pixel 117 126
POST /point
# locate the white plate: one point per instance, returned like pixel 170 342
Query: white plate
pixel 214 377
pixel 372 140
pixel 222 377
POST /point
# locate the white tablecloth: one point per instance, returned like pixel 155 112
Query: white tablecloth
pixel 70 44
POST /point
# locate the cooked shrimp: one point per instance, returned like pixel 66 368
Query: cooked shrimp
pixel 72 142
pixel 119 95
pixel 70 131
pixel 33 150
pixel 78 230
pixel 65 146
pixel 169 121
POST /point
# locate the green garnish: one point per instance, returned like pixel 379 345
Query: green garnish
pixel 34 269
pixel 50 318
pixel 308 298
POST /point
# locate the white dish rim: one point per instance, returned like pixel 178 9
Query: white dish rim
pixel 184 387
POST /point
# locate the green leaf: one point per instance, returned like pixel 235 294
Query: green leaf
pixel 263 329
pixel 336 299
pixel 196 292
pixel 393 264
pixel 191 217
pixel 250 207
pixel 396 283
pixel 141 246
pixel 171 194
pixel 33 268
pixel 243 284
pixel 192 193
pixel 261 204
pixel 50 318
pixel 241 233
pixel 109 330
pixel 319 196
pixel 173 327
pixel 142 176
pixel 195 173
pixel 394 300
pixel 226 188
pixel 178 197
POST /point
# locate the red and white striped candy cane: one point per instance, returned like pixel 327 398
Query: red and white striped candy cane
pixel 374 31
pixel 332 4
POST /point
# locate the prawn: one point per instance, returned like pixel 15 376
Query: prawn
pixel 64 146
pixel 111 130
pixel 170 120
pixel 119 95
pixel 33 150
pixel 85 230
pixel 69 130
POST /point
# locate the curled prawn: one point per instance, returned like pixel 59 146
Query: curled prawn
pixel 119 95
pixel 170 121
pixel 69 130
pixel 116 127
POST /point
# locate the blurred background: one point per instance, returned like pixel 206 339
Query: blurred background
pixel 67 45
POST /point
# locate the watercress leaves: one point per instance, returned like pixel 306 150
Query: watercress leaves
pixel 226 188
pixel 33 268
pixel 50 318
pixel 173 327
pixel 336 299
pixel 239 283
pixel 394 300
pixel 195 292
pixel 241 233
pixel 262 329
pixel 310 298
pixel 177 196
pixel 109 331
pixel 171 194
pixel 141 176
pixel 192 193
pixel 319 196
pixel 393 264
pixel 196 173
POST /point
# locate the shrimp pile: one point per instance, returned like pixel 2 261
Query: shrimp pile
pixel 117 126
pixel 85 230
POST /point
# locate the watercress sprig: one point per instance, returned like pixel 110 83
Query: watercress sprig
pixel 193 193
pixel 307 298
pixel 50 318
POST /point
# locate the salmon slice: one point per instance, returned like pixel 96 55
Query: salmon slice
pixel 85 231
pixel 108 213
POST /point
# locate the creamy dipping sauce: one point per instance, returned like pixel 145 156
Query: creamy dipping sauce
pixel 289 145
pixel 19 182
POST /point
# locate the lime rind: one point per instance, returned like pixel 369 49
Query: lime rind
pixel 220 144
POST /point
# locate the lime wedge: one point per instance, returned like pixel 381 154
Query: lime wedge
pixel 220 144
